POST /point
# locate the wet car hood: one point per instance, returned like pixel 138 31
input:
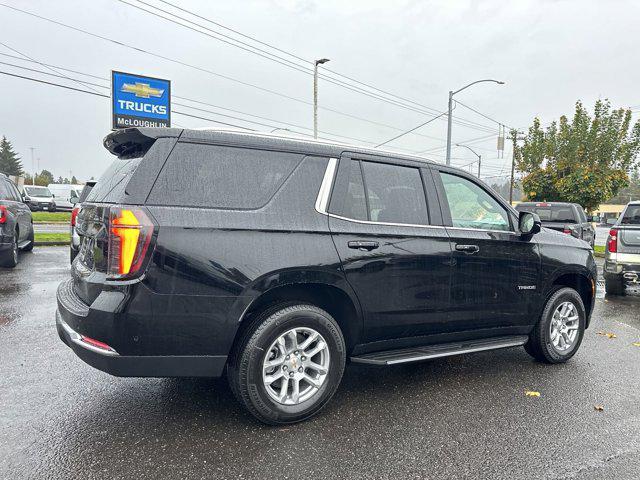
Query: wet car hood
pixel 549 236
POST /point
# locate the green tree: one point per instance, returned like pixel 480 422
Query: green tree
pixel 586 160
pixel 44 178
pixel 10 163
pixel 74 180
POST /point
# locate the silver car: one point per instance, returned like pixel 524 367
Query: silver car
pixel 622 255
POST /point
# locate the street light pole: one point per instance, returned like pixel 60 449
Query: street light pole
pixel 315 94
pixel 475 153
pixel 450 110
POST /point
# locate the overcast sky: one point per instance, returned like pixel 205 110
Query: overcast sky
pixel 549 53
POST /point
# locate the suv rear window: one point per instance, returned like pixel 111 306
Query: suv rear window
pixel 197 175
pixel 631 215
pixel 552 213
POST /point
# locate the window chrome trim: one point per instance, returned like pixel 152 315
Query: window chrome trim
pixel 322 202
pixel 470 229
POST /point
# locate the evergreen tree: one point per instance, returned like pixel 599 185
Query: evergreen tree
pixel 10 163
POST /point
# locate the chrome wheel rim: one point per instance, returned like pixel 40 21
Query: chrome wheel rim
pixel 564 326
pixel 296 366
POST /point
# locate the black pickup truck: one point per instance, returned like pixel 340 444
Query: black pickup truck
pixel 568 218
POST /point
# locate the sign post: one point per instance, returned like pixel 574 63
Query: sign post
pixel 139 101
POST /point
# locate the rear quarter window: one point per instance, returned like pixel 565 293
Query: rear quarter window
pixel 211 176
pixel 111 185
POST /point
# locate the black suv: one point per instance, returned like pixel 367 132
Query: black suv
pixel 277 260
pixel 16 224
pixel 569 218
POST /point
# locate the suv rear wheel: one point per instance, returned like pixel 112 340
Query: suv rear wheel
pixel 288 364
pixel 558 334
pixel 9 258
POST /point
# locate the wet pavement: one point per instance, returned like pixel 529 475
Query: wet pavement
pixel 461 417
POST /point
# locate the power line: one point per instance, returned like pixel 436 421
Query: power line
pixel 336 135
pixel 287 63
pixel 45 66
pixel 409 131
pixel 177 112
pixel 481 114
pixel 297 57
pixel 37 80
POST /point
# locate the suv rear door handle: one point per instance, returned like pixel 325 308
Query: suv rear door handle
pixel 470 249
pixel 363 245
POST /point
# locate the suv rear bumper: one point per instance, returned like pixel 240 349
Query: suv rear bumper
pixel 71 311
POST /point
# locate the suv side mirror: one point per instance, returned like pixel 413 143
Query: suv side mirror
pixel 529 223
pixel 73 200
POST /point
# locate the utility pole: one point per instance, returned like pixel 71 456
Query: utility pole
pixel 33 166
pixel 515 135
pixel 450 111
pixel 449 114
pixel 315 95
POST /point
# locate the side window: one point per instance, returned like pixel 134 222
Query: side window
pixel 395 194
pixel 197 175
pixel 352 203
pixel 471 206
pixel 16 193
pixel 5 193
pixel 582 214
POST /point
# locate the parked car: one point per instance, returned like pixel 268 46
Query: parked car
pixel 622 252
pixel 38 198
pixel 569 218
pixel 278 259
pixel 75 238
pixel 16 224
pixel 65 195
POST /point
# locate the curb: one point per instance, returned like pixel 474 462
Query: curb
pixel 51 244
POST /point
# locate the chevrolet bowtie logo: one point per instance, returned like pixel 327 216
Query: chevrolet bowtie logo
pixel 142 90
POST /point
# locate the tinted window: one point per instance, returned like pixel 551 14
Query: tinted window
pixel 221 177
pixel 471 206
pixel 395 194
pixel 85 192
pixel 113 181
pixel 631 215
pixel 16 193
pixel 5 192
pixel 552 213
pixel 352 204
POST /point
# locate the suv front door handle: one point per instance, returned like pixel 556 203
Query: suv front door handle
pixel 470 249
pixel 363 245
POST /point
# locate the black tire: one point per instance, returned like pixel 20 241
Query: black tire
pixel 540 345
pixel 31 239
pixel 245 368
pixel 613 285
pixel 72 255
pixel 9 258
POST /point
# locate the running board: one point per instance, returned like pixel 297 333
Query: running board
pixel 416 354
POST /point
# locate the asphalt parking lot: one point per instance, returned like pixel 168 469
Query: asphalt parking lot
pixel 461 417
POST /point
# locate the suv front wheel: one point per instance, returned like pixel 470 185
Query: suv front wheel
pixel 288 363
pixel 559 331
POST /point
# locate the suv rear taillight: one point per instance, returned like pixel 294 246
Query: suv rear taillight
pixel 612 244
pixel 3 214
pixel 567 231
pixel 130 234
pixel 74 214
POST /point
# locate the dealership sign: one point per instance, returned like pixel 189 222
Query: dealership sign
pixel 139 101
